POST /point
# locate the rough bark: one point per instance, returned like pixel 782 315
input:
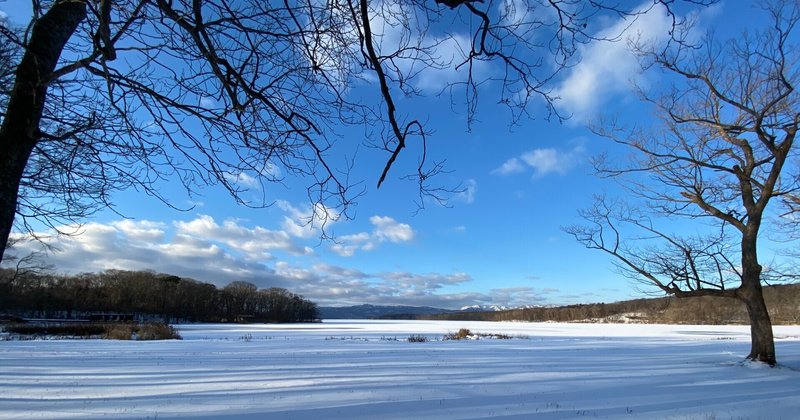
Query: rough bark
pixel 20 129
pixel 750 292
pixel 762 343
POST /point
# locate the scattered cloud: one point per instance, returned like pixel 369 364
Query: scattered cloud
pixel 516 296
pixel 307 223
pixel 425 60
pixel 254 242
pixel 514 12
pixel 543 162
pixel 388 229
pixel 469 191
pixel 141 231
pixel 207 250
pixel 207 102
pixel 511 166
pixel 608 68
pixel 450 52
pixel 242 179
pixel 385 229
pixel 220 252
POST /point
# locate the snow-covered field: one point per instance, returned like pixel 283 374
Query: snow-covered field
pixel 354 369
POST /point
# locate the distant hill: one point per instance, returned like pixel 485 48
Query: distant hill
pixel 492 308
pixel 377 311
pixel 398 311
pixel 782 303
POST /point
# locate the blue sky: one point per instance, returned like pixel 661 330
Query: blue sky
pixel 499 243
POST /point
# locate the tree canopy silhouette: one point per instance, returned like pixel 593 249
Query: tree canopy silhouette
pixel 117 94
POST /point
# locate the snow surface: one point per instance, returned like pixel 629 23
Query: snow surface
pixel 354 370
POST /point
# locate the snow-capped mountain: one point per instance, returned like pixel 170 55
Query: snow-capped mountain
pixel 376 311
pixel 484 308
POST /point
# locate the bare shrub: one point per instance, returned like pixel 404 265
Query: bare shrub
pixel 118 332
pixel 109 331
pixel 417 339
pixel 462 334
pixel 156 331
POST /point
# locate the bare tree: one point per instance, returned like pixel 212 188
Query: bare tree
pixel 724 156
pixel 24 265
pixel 118 94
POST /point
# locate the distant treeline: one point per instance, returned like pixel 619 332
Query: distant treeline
pixel 148 295
pixel 783 302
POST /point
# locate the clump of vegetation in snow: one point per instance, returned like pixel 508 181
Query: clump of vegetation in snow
pixel 418 339
pixel 465 334
pixel 462 334
pixel 155 331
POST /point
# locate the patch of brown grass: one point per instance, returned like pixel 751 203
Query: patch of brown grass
pixel 118 332
pixel 462 334
pixel 109 331
pixel 156 331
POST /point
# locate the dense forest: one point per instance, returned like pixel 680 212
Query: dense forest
pixel 145 295
pixel 783 302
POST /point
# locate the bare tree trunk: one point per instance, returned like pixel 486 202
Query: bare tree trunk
pixel 20 130
pixel 12 162
pixel 762 341
pixel 762 347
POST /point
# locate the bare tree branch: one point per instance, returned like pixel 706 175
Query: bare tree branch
pixel 725 149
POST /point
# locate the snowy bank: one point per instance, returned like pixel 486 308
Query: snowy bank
pixel 356 369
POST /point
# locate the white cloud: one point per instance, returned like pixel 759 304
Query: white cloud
pixel 388 229
pixel 344 250
pixel 255 242
pixel 142 230
pixel 426 281
pixel 607 69
pixel 272 170
pixel 470 190
pixel 426 61
pixel 385 229
pixel 242 179
pixel 193 251
pixel 207 102
pixel 511 166
pixel 543 162
pixel 307 223
pixel 450 52
pixel 547 161
pixel 220 252
pixel 513 12
pixel 187 246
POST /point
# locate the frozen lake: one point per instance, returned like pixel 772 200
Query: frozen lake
pixel 356 369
